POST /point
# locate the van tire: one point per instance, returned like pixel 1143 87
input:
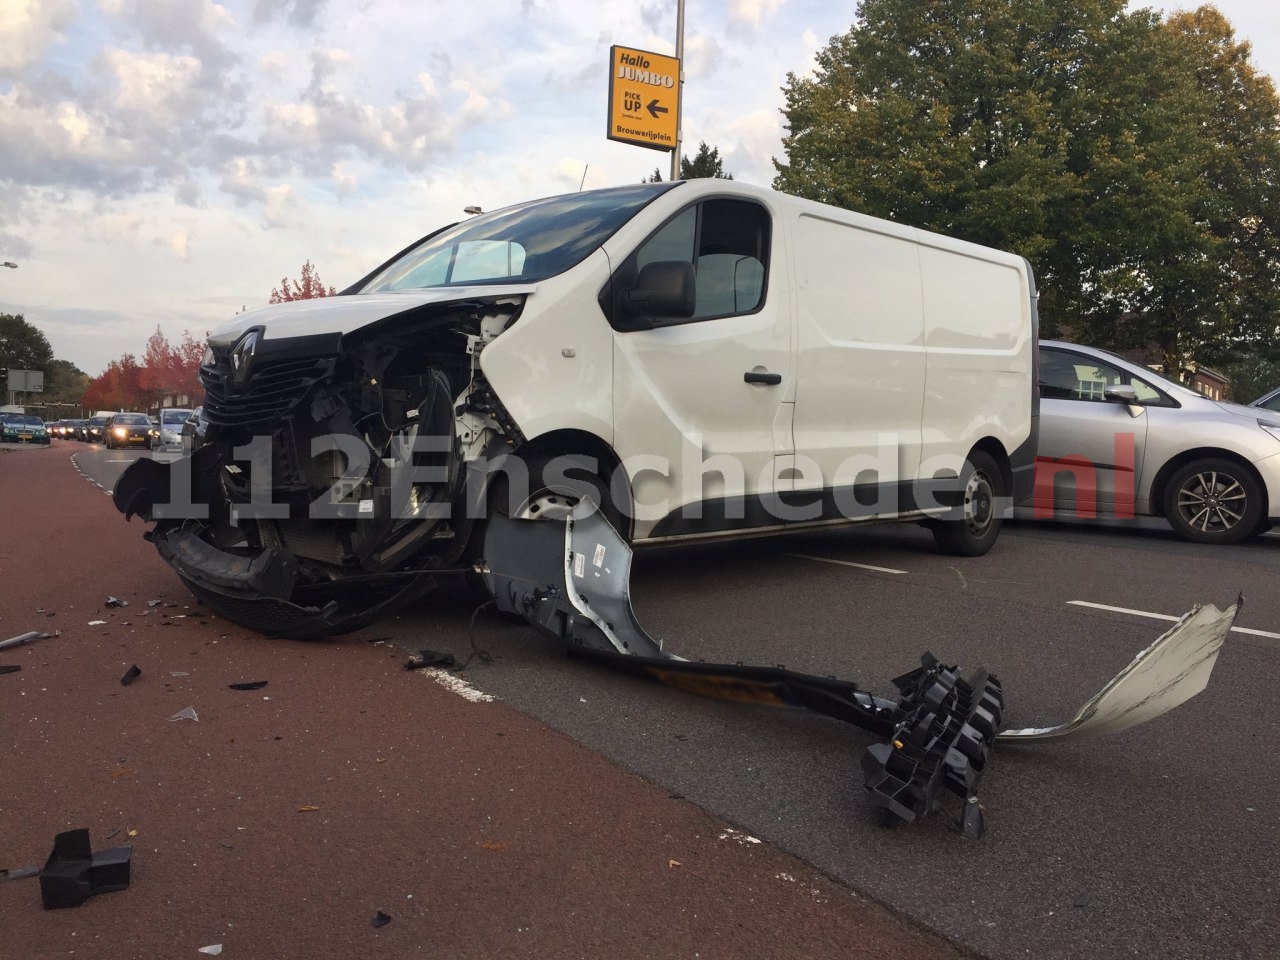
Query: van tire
pixel 976 532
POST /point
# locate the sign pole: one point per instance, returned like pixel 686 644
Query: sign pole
pixel 675 154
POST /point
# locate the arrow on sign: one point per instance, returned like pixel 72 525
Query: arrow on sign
pixel 654 109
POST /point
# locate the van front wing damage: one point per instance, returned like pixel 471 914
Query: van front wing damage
pixel 570 580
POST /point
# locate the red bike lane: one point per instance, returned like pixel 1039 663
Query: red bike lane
pixel 283 820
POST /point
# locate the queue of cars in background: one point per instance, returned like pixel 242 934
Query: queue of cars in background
pixel 124 429
pixel 1117 439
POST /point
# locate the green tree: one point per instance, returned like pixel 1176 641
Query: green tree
pixel 1082 136
pixel 1252 376
pixel 64 385
pixel 22 347
pixel 706 164
pixel 1242 174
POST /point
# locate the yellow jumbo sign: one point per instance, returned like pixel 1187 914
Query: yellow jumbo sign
pixel 644 98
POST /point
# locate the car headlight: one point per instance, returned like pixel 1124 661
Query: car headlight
pixel 1270 426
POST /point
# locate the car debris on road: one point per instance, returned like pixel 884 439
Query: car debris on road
pixel 569 579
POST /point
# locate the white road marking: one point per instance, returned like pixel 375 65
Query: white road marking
pixel 845 563
pixel 1162 616
pixel 456 684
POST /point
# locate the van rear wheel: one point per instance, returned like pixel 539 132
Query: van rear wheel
pixel 976 524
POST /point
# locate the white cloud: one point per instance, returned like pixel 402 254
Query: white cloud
pixel 345 182
pixel 159 85
pixel 278 205
pixel 753 11
pixel 28 28
pixel 178 243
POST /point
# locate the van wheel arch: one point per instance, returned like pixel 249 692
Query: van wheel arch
pixel 598 458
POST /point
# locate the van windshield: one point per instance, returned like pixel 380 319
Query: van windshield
pixel 521 244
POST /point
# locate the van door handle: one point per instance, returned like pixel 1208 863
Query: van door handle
pixel 768 379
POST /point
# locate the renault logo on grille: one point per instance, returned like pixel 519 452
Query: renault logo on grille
pixel 242 357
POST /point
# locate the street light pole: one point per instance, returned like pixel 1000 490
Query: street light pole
pixel 675 154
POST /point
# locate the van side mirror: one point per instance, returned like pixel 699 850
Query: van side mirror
pixel 665 289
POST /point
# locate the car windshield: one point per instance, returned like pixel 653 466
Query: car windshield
pixel 524 243
pixel 26 421
pixel 134 418
pixel 174 416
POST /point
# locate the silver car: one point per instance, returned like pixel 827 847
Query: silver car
pixel 1118 440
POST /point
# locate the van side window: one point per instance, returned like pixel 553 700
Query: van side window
pixel 727 241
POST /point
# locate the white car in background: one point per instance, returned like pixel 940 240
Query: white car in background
pixel 1119 440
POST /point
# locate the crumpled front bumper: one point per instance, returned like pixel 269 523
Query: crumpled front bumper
pixel 261 588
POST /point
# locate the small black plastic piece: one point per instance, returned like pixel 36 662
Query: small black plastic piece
pixel 431 658
pixel 130 675
pixel 249 685
pixel 74 873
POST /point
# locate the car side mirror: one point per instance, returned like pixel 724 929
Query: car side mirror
pixel 1126 394
pixel 665 290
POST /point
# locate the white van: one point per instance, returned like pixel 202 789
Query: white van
pixel 703 358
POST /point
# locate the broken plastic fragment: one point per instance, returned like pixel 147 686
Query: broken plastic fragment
pixel 9 668
pixel 130 675
pixel 308 808
pixel 381 919
pixel 74 873
pixel 115 602
pixel 1166 674
pixel 27 637
pixel 96 623
pixel 212 950
pixel 431 658
pixel 252 685
pixel 186 713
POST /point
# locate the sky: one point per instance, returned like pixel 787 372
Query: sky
pixel 166 163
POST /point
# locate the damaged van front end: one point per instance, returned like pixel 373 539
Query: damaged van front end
pixel 330 485
pixel 347 440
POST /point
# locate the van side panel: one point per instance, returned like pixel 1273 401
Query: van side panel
pixel 980 346
pixel 553 368
pixel 860 354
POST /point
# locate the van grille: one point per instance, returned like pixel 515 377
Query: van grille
pixel 275 387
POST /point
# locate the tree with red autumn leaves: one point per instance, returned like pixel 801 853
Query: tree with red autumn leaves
pixel 165 370
pixel 308 287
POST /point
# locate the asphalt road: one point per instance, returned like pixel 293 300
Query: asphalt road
pixel 1160 841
